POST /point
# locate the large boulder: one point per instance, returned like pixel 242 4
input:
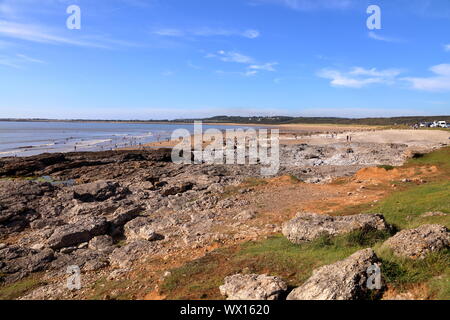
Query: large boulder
pixel 102 243
pixel 309 226
pixel 343 280
pixel 74 234
pixel 19 203
pixel 252 287
pixel 176 188
pixel 123 257
pixel 141 228
pixel 97 191
pixel 417 243
pixel 17 262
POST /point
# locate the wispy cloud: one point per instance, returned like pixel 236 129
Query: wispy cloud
pixel 359 77
pixel 206 32
pixel 308 5
pixel 447 47
pixel 231 56
pixel 378 37
pixel 18 61
pixel 437 83
pixel 40 34
pixel 29 59
pixel 253 67
pixel 266 66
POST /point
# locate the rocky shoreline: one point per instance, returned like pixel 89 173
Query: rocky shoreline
pixel 106 211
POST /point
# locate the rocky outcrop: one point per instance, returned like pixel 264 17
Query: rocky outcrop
pixel 253 287
pixel 97 191
pixel 309 226
pixel 141 228
pixel 417 243
pixel 123 257
pixel 343 280
pixel 17 262
pixel 74 234
pixel 101 243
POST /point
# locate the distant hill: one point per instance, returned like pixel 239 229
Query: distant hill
pixel 322 120
pixel 274 120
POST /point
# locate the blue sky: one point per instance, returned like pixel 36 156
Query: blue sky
pixel 157 59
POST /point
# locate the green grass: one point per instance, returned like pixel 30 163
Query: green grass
pixel 440 158
pixel 277 256
pixel 403 273
pixel 404 209
pixel 19 288
pixel 201 278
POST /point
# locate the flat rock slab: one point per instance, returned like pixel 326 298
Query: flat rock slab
pixel 309 226
pixel 417 243
pixel 252 287
pixel 74 234
pixel 97 191
pixel 343 280
pixel 123 257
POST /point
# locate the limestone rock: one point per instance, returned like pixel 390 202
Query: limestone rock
pixel 343 280
pixel 124 256
pixel 97 191
pixel 101 243
pixel 74 234
pixel 309 226
pixel 252 287
pixel 140 229
pixel 245 215
pixel 417 243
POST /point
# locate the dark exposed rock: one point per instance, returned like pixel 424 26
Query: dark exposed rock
pixel 85 259
pixel 73 234
pixel 102 243
pixel 17 262
pixel 177 188
pixel 97 191
pixel 309 226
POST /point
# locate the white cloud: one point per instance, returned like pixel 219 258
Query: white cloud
pixel 39 34
pixel 252 66
pixel 307 5
pixel 29 59
pixel 251 34
pixel 169 32
pixel 232 56
pixel 359 77
pixel 388 73
pixel 266 67
pixel 18 61
pixel 375 36
pixel 42 34
pixel 206 32
pixel 447 47
pixel 439 82
pixel 8 62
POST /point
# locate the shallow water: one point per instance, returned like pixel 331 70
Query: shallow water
pixel 31 138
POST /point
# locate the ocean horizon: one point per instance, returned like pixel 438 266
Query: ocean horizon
pixel 30 138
